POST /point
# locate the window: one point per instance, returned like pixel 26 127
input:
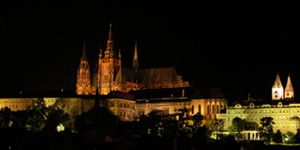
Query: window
pixel 192 109
pixel 120 104
pixel 208 109
pixel 199 109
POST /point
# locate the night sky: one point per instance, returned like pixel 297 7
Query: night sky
pixel 238 47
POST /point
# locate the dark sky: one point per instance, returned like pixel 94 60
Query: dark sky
pixel 238 47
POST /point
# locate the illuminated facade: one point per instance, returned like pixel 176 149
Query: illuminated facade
pixel 282 108
pixel 111 76
pixel 83 84
pixel 279 93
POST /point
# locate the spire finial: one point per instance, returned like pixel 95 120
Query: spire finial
pixel 119 55
pixel 135 63
pixel 110 34
pixel 84 51
pixel 110 44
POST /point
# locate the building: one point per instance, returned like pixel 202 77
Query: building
pixel 282 108
pixel 127 92
pixel 111 76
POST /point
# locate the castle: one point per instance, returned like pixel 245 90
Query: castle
pixel 111 76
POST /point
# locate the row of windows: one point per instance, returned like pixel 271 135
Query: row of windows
pixel 124 114
pixel 16 106
pixel 247 112
pixel 126 105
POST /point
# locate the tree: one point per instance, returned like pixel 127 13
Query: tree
pixel 86 121
pixel 289 138
pixel 197 118
pixel 237 127
pixel 216 128
pixel 277 137
pixel 156 123
pixel 266 129
pixel 40 117
pixel 5 117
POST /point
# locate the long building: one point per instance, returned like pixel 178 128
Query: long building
pixel 282 108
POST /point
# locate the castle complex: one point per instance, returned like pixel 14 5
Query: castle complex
pixel 111 76
pixel 130 92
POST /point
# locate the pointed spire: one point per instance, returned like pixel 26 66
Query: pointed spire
pixel 83 52
pixel 100 55
pixel 110 34
pixel 289 90
pixel 135 63
pixel 119 55
pixel 277 83
pixel 289 83
pixel 110 44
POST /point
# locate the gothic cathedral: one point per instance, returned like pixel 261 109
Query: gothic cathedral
pixel 111 76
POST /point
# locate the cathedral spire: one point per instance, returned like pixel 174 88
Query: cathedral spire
pixel 289 90
pixel 109 44
pixel 135 63
pixel 83 52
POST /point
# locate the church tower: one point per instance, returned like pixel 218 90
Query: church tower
pixel 108 67
pixel 289 90
pixel 277 89
pixel 135 62
pixel 83 84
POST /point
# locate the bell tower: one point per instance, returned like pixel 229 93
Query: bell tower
pixel 277 89
pixel 108 67
pixel 289 90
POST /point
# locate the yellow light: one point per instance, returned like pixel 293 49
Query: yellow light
pixel 60 128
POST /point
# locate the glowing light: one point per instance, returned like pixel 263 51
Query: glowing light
pixel 60 128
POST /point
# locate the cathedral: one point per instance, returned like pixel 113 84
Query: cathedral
pixel 111 76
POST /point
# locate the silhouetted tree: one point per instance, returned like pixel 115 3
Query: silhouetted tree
pixel 197 118
pixel 107 121
pixel 216 128
pixel 289 138
pixel 237 127
pixel 277 137
pixel 39 116
pixel 5 117
pixel 156 123
pixel 266 129
pixel 19 119
pixel 297 136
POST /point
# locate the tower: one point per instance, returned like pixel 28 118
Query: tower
pixel 277 89
pixel 83 84
pixel 108 66
pixel 135 63
pixel 289 90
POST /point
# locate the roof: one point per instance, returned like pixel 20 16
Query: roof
pixel 163 93
pixel 156 74
pixel 208 93
pixel 259 102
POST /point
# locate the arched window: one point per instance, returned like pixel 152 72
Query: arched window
pixel 213 109
pixel 192 109
pixel 199 109
pixel 218 109
pixel 208 109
